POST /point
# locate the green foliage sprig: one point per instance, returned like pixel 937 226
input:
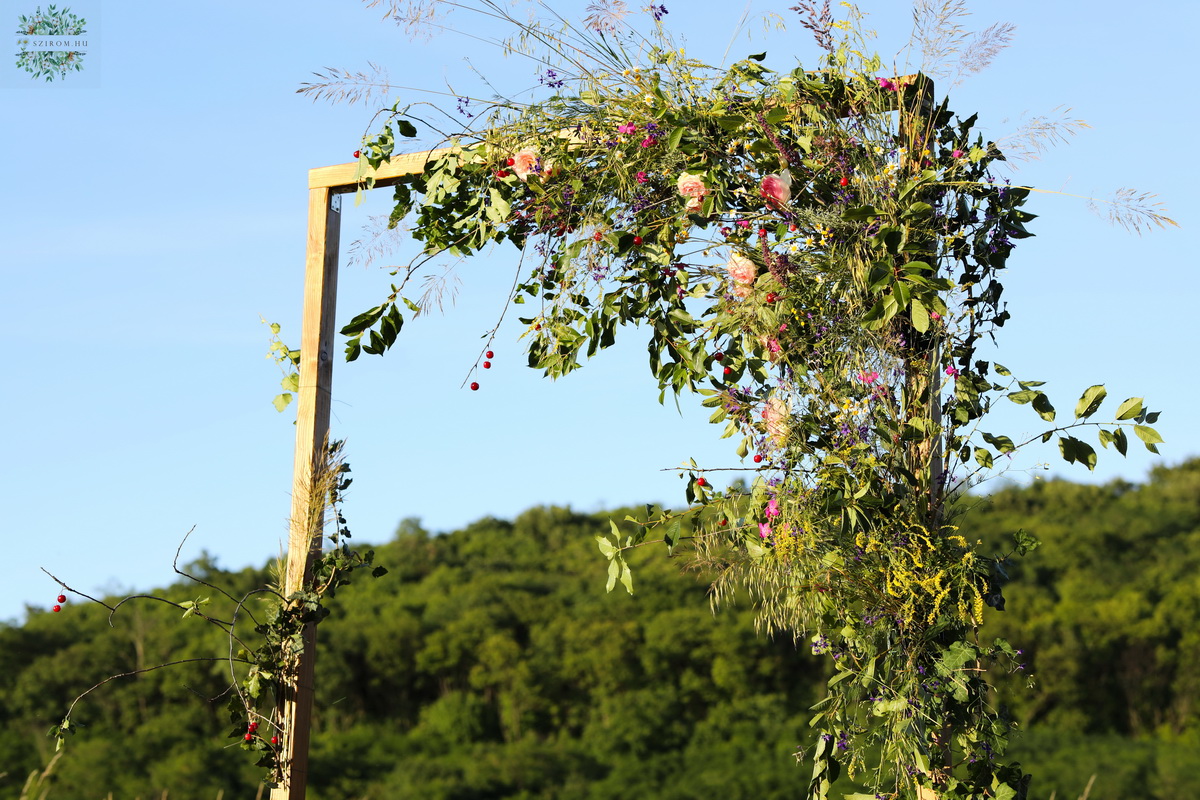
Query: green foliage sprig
pixel 259 670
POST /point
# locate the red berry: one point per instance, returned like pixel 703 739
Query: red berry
pixel 357 153
pixel 501 173
pixel 762 231
pixel 253 727
pixel 772 297
pixel 474 386
pixel 758 458
pixel 62 598
pixel 597 236
pixel 844 181
pixel 637 241
pixel 489 354
pixel 728 371
pixel 701 482
pixel 249 737
pixel 56 609
pixel 510 162
pixel 487 365
pixel 722 523
pixel 718 356
pixel 274 740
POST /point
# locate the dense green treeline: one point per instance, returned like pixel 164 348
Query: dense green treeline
pixel 489 663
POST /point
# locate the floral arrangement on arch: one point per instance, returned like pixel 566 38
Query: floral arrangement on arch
pixel 816 254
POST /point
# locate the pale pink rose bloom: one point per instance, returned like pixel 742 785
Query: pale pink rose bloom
pixel 693 188
pixel 777 188
pixel 775 417
pixel 743 273
pixel 524 162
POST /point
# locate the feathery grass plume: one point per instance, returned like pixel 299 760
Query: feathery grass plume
pixel 938 33
pixel 984 47
pixel 343 86
pixel 1134 211
pixel 819 23
pixel 1039 134
pixel 439 288
pixel 606 16
pixel 415 16
pixel 376 241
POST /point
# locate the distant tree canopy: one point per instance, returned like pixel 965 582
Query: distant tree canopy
pixel 490 663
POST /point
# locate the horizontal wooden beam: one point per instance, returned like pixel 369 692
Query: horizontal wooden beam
pixel 343 178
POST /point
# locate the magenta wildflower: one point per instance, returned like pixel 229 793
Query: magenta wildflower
pixel 952 372
pixel 642 177
pixel 773 508
pixel 764 530
pixel 628 127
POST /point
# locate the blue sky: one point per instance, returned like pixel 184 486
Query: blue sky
pixel 155 208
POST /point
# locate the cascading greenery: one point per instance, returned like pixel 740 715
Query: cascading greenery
pixel 817 254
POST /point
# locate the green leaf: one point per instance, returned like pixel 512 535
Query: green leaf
pixel 892 706
pixel 1073 450
pixel 1001 370
pixel 1121 441
pixel 614 572
pixel 983 457
pixel 1148 435
pixel 675 138
pixel 626 576
pixel 1041 404
pixel 1090 401
pixel 1002 443
pixel 920 316
pixel 606 547
pixel 1022 397
pixel 281 401
pixel 1130 408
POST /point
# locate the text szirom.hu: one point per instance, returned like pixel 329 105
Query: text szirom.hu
pixel 32 44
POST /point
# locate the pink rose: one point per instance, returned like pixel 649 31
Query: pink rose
pixel 743 273
pixel 777 189
pixel 525 161
pixel 692 187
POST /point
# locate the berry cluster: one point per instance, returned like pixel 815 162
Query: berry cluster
pixel 62 598
pixel 486 364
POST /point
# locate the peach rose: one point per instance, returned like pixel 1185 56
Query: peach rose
pixel 525 161
pixel 777 188
pixel 775 416
pixel 743 273
pixel 692 187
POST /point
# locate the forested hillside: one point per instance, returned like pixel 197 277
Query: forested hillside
pixel 489 663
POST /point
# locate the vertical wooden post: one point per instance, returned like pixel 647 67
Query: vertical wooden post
pixel 312 428
pixel 922 380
